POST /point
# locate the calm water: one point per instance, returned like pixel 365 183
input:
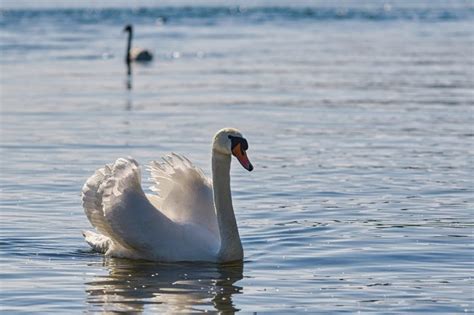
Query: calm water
pixel 360 125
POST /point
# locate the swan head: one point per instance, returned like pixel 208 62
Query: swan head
pixel 230 141
pixel 128 28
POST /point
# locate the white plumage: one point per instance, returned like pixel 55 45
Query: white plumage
pixel 118 208
pixel 178 223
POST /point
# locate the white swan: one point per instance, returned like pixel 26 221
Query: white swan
pixel 190 219
pixel 135 54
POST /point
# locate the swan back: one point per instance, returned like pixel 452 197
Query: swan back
pixel 140 55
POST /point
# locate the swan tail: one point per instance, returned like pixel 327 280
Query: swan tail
pixel 98 242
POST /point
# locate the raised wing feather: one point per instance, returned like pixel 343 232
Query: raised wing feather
pixel 92 200
pixel 132 225
pixel 184 193
pixel 116 205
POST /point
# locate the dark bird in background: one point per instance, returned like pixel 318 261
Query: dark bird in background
pixel 135 54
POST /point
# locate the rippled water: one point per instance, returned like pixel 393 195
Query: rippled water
pixel 359 120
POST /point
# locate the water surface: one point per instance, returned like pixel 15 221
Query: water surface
pixel 359 121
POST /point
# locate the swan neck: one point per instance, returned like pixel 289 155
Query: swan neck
pixel 129 47
pixel 231 246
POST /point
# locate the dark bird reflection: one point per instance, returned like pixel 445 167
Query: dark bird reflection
pixel 129 92
pixel 136 286
pixel 129 77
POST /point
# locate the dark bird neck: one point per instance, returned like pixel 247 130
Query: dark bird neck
pixel 129 47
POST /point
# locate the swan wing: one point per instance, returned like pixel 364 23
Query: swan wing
pixel 183 192
pixel 116 205
pixel 92 200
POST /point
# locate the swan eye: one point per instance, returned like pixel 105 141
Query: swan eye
pixel 239 140
pixel 245 145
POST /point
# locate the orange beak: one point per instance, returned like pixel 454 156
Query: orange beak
pixel 241 155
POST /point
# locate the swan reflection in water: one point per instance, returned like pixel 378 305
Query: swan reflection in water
pixel 129 77
pixel 137 286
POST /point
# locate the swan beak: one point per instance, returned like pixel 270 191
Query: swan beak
pixel 241 155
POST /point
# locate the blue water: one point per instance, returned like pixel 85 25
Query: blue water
pixel 359 117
